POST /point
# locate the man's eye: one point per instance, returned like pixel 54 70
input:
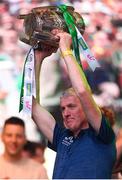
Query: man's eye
pixel 72 106
pixel 62 109
pixel 19 136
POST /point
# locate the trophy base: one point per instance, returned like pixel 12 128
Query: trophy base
pixel 38 39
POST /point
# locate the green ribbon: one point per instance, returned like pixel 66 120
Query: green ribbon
pixel 21 93
pixel 72 30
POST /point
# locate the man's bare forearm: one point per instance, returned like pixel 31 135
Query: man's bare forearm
pixel 80 84
pixel 41 117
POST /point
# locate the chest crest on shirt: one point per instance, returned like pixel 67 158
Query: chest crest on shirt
pixel 67 141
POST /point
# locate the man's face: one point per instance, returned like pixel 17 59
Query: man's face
pixel 73 115
pixel 14 139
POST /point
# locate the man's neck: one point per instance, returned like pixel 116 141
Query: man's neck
pixel 84 126
pixel 12 158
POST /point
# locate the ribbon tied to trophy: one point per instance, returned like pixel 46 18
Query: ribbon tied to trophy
pixel 38 24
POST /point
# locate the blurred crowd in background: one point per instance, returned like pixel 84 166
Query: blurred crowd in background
pixel 103 34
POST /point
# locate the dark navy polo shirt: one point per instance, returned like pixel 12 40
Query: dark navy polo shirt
pixel 88 156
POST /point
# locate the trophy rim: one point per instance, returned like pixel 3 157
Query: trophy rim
pixel 51 8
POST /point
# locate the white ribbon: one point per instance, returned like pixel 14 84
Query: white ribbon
pixel 29 83
pixel 84 49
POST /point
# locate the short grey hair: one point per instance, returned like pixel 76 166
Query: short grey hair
pixel 68 92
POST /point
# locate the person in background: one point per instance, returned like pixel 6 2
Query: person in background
pixel 117 171
pixel 110 115
pixel 12 164
pixel 34 150
pixel 86 146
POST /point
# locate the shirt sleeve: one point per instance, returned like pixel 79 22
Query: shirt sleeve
pixel 106 133
pixel 58 132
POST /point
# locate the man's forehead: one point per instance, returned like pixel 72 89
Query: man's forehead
pixel 11 127
pixel 70 96
pixel 69 99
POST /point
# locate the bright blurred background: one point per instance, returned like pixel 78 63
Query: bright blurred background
pixel 103 19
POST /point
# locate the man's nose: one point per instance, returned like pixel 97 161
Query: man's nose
pixel 66 112
pixel 13 139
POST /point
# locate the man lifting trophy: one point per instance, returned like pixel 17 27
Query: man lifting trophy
pixel 85 145
pixel 39 24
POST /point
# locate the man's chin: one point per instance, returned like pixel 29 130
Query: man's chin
pixel 13 153
pixel 70 127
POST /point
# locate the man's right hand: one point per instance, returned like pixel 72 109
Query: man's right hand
pixel 44 51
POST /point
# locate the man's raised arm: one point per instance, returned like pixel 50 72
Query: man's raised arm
pixel 42 117
pixel 79 82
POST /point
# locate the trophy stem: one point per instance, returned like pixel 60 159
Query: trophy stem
pixel 37 74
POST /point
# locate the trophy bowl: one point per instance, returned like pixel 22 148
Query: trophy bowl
pixel 40 21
